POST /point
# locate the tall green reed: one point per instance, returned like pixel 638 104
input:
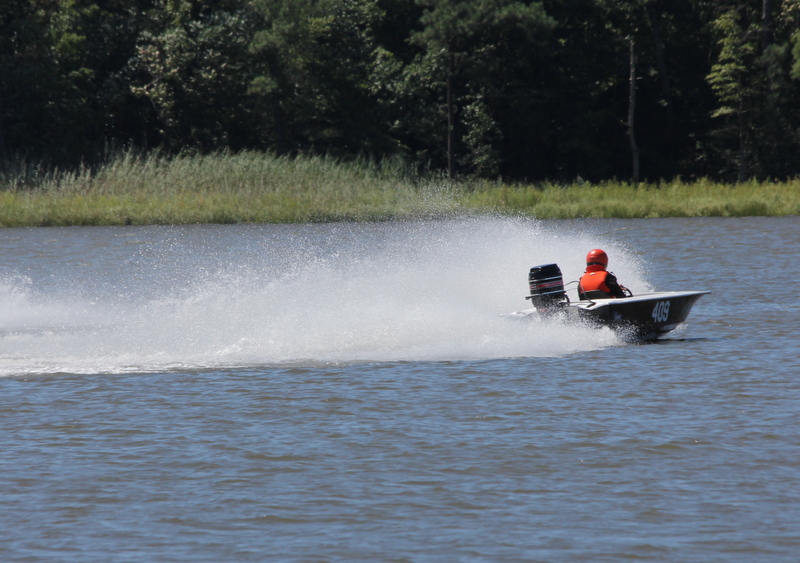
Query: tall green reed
pixel 154 188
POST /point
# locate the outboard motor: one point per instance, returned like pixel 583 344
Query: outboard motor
pixel 547 286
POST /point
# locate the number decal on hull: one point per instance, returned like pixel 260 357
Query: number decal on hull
pixel 661 311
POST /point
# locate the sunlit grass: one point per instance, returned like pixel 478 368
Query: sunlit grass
pixel 667 199
pixel 254 187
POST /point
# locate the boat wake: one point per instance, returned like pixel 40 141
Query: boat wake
pixel 214 297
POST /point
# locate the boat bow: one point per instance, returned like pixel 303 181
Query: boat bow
pixel 648 314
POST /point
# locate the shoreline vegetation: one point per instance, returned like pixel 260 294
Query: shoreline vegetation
pixel 253 187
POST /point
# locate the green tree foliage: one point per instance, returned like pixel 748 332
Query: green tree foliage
pixel 530 90
pixel 194 70
pixel 473 50
pixel 44 82
pixel 759 123
pixel 60 96
pixel 315 82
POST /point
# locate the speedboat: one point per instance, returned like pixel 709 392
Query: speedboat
pixel 645 316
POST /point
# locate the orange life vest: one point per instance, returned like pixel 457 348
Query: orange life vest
pixel 594 281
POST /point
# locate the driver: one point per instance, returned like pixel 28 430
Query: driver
pixel 596 282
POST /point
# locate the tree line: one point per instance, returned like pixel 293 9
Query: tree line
pixel 553 90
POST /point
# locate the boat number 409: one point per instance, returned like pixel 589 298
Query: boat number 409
pixel 661 311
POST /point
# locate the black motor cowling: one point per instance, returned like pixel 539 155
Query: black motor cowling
pixel 547 286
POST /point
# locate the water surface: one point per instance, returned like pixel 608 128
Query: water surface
pixel 352 393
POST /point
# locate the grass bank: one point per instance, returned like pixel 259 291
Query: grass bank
pixel 261 188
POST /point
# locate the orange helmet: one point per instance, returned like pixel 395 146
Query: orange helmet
pixel 597 256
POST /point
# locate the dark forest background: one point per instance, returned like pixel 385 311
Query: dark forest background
pixel 526 91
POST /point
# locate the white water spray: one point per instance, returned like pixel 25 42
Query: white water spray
pixel 251 296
